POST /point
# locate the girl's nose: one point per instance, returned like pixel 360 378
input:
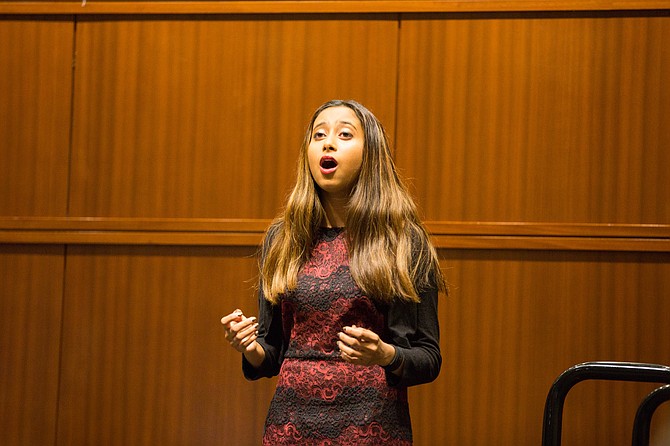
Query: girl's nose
pixel 328 145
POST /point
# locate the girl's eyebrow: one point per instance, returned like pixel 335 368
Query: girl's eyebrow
pixel 349 123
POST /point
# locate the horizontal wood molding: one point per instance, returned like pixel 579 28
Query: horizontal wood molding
pixel 319 6
pixel 249 232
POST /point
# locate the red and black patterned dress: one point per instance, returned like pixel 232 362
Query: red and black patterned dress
pixel 321 399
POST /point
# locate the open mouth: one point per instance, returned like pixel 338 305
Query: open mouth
pixel 328 164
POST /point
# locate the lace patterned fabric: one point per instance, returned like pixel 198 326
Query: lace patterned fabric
pixel 321 399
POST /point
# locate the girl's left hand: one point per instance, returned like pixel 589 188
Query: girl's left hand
pixel 364 347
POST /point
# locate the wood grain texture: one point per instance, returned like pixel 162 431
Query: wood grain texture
pixel 515 320
pixel 536 119
pixel 660 426
pixel 144 358
pixel 204 118
pixel 249 232
pixel 535 144
pixel 35 87
pixel 318 6
pixel 31 295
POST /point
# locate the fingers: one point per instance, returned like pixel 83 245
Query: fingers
pixel 244 338
pixel 359 336
pixel 243 334
pixel 347 349
pixel 358 345
pixel 244 329
pixel 240 331
pixel 235 315
pixel 248 344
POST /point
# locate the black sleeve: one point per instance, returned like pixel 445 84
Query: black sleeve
pixel 270 331
pixel 414 331
pixel 270 337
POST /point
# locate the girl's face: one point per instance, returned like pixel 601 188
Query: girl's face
pixel 335 151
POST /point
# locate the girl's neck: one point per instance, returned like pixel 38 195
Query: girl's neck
pixel 335 209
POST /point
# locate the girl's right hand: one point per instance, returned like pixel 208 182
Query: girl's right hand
pixel 241 332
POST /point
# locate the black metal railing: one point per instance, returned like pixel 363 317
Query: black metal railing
pixel 611 371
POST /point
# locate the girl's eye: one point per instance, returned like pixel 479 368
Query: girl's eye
pixel 346 135
pixel 319 135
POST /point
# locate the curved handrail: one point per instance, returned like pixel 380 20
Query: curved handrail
pixel 642 424
pixel 601 370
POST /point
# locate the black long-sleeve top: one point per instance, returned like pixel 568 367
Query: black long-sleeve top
pixel 412 328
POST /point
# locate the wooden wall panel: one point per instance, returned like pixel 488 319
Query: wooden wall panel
pixel 204 118
pixel 540 117
pixel 515 320
pixel 551 118
pixel 31 294
pixel 182 7
pixel 660 426
pixel 144 357
pixel 35 87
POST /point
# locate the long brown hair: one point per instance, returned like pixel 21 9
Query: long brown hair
pixel 390 253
